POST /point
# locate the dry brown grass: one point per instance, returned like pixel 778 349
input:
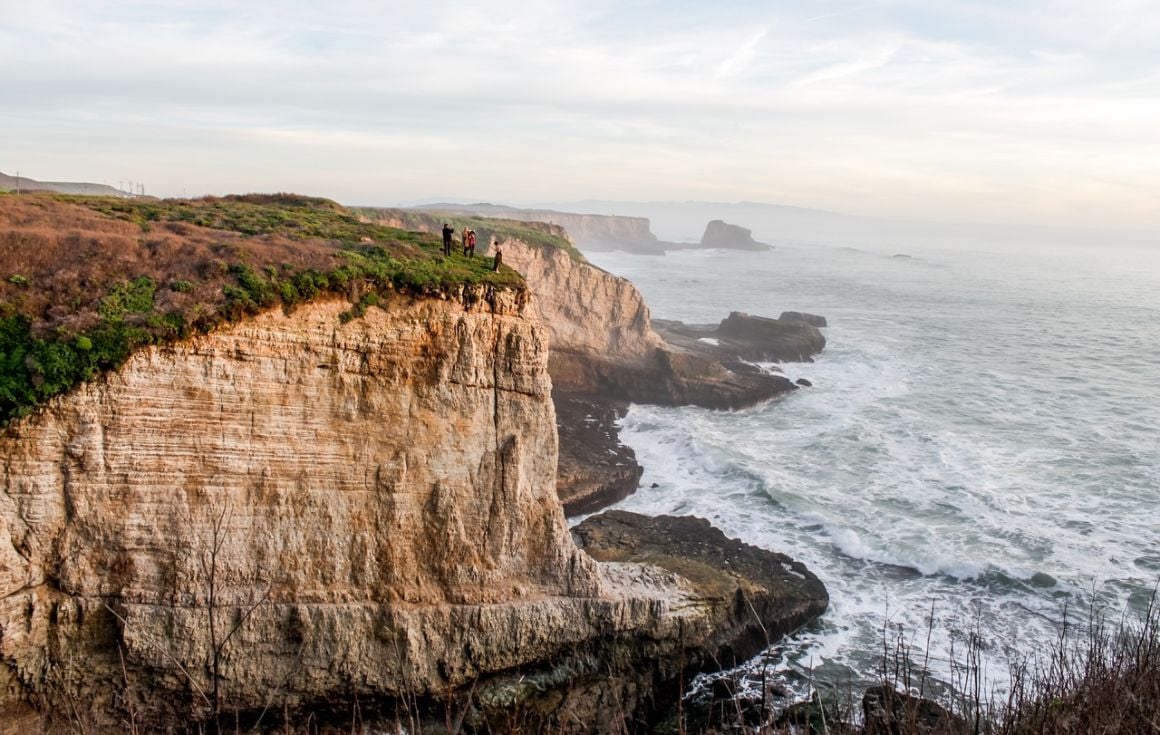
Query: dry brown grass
pixel 71 256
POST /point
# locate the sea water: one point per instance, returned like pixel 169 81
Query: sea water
pixel 979 452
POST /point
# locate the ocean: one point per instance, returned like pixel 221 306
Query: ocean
pixel 979 455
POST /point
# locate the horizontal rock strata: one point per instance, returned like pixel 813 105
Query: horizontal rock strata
pixel 296 514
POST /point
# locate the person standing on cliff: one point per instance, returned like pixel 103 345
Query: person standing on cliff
pixel 469 248
pixel 498 258
pixel 447 233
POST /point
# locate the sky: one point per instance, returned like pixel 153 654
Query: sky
pixel 1033 111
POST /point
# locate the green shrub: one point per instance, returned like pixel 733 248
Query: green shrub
pixel 365 258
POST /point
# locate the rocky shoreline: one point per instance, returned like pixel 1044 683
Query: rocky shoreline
pixel 312 517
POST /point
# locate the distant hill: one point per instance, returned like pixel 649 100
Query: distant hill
pixel 11 183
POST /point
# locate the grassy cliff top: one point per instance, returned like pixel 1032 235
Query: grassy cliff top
pixel 536 234
pixel 84 281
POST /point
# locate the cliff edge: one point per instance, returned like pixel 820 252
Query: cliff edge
pixel 343 506
pixel 605 353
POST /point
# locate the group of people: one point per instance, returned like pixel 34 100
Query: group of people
pixel 467 237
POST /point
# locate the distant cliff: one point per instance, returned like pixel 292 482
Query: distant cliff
pixel 588 231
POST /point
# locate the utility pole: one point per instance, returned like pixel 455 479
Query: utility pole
pixel 17 182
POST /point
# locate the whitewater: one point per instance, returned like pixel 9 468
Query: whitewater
pixel 980 444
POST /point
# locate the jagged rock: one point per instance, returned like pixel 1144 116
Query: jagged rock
pixel 595 469
pixel 604 351
pixel 803 383
pixel 798 316
pixel 887 711
pixel 762 338
pixel 762 594
pixel 744 337
pixel 720 234
pixel 753 596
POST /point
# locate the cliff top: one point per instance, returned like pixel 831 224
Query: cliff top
pixel 84 281
pixel 535 234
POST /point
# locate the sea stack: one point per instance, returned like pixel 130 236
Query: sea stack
pixel 721 234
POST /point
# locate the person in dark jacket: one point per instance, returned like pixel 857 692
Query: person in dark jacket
pixel 447 233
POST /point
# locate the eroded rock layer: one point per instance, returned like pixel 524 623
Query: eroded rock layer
pixel 309 517
pixel 311 470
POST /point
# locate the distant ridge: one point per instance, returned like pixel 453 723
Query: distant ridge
pixel 11 183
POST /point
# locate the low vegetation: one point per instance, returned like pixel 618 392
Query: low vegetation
pixel 536 234
pixel 1101 675
pixel 87 280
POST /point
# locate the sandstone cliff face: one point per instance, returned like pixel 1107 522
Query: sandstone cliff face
pixel 316 470
pixel 586 310
pixel 310 516
pixel 604 350
pixel 594 230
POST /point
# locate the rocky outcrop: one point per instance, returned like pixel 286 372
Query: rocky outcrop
pixel 595 469
pixel 605 351
pixel 758 585
pixel 797 316
pixel 300 514
pixel 887 711
pixel 745 337
pixel 603 342
pixel 720 234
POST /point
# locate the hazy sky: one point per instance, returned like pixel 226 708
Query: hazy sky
pixel 1037 111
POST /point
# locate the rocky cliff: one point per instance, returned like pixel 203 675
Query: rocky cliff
pixel 604 353
pixel 595 231
pixel 312 514
pixel 589 231
pixel 407 457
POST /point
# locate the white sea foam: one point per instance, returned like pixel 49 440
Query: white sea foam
pixel 981 440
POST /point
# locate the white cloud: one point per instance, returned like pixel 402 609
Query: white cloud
pixel 897 107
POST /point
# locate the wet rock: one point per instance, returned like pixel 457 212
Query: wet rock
pixel 887 711
pixel 814 717
pixel 759 595
pixel 595 469
pixel 741 337
pixel 798 316
pixel 803 383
